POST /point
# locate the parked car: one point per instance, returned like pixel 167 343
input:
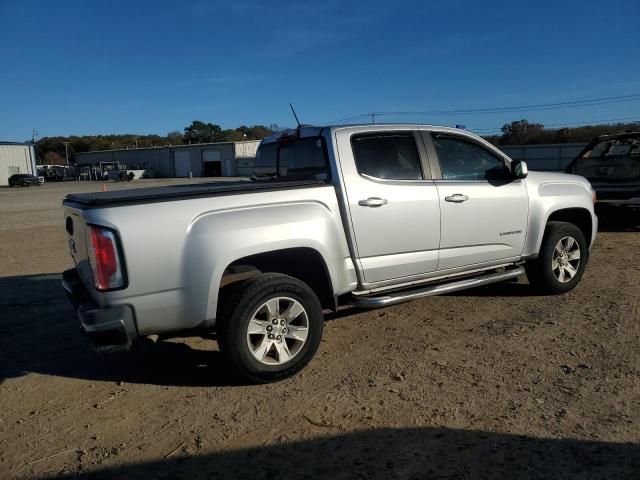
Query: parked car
pixel 612 164
pixel 366 215
pixel 24 180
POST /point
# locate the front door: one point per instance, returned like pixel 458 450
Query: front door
pixel 393 204
pixel 483 209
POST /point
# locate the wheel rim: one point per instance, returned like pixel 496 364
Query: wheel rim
pixel 277 331
pixel 566 259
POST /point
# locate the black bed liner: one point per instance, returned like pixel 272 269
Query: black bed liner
pixel 177 192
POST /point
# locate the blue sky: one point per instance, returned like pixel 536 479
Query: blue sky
pixel 80 67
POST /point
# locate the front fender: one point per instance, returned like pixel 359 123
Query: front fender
pixel 552 197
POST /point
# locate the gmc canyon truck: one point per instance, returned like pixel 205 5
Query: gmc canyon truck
pixel 364 215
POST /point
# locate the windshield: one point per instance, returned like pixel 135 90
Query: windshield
pixel 627 145
pixel 300 159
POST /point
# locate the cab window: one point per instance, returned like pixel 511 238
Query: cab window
pixel 387 155
pixel 296 159
pixel 461 159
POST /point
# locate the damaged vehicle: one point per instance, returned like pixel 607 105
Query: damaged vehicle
pixel 612 164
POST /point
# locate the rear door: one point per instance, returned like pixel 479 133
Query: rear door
pixel 392 201
pixel 483 209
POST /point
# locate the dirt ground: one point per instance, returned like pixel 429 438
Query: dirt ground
pixel 491 383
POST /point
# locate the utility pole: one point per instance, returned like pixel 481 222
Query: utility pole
pixel 66 152
pixel 34 136
pixel 373 117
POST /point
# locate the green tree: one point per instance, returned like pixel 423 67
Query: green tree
pixel 520 132
pixel 233 135
pixel 53 158
pixel 175 137
pixel 200 132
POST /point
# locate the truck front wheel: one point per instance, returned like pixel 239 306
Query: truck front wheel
pixel 561 261
pixel 270 328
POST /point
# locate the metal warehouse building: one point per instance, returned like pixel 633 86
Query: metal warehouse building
pixel 550 157
pixel 200 160
pixel 16 158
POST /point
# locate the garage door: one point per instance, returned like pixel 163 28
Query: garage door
pixel 211 165
pixel 182 161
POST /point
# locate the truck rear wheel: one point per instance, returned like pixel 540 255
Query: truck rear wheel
pixel 270 327
pixel 561 261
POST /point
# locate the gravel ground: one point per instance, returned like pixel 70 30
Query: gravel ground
pixel 491 383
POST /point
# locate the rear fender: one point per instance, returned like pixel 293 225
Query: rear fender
pixel 218 238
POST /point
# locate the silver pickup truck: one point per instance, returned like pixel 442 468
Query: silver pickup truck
pixel 365 215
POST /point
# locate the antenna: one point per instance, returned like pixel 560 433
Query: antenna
pixel 295 116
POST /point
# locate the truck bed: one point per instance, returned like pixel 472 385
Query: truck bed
pixel 178 192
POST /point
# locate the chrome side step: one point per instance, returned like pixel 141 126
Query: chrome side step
pixel 407 295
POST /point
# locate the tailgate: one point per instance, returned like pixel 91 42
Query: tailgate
pixel 614 170
pixel 76 228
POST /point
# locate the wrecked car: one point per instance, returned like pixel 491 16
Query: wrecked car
pixel 612 164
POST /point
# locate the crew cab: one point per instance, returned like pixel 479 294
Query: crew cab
pixel 363 215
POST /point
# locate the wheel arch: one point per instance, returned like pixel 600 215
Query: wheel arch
pixel 580 217
pixel 304 263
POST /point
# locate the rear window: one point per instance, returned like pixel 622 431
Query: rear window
pixel 615 149
pixel 305 158
pixel 392 156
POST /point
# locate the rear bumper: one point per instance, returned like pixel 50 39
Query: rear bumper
pixel 627 195
pixel 634 202
pixel 110 329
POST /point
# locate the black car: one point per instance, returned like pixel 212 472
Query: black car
pixel 612 164
pixel 23 180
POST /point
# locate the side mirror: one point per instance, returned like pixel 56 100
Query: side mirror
pixel 519 169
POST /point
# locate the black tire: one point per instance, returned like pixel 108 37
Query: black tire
pixel 237 311
pixel 25 184
pixel 540 272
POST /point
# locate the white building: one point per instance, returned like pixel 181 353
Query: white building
pixel 16 158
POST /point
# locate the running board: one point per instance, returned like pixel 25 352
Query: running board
pixel 407 295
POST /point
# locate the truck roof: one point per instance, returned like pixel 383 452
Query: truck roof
pixel 306 131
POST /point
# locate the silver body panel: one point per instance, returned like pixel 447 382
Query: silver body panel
pixel 176 251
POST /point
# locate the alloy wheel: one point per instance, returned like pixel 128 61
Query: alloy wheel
pixel 277 331
pixel 566 259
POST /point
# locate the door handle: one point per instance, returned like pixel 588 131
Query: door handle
pixel 373 202
pixel 456 198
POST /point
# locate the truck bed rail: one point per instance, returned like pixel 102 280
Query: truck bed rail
pixel 177 192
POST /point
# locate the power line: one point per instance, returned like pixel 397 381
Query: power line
pixel 477 111
pixel 544 106
pixel 356 117
pixel 560 125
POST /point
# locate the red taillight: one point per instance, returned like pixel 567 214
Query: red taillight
pixel 104 259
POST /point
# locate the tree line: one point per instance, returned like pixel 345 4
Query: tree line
pixel 51 150
pixel 521 132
